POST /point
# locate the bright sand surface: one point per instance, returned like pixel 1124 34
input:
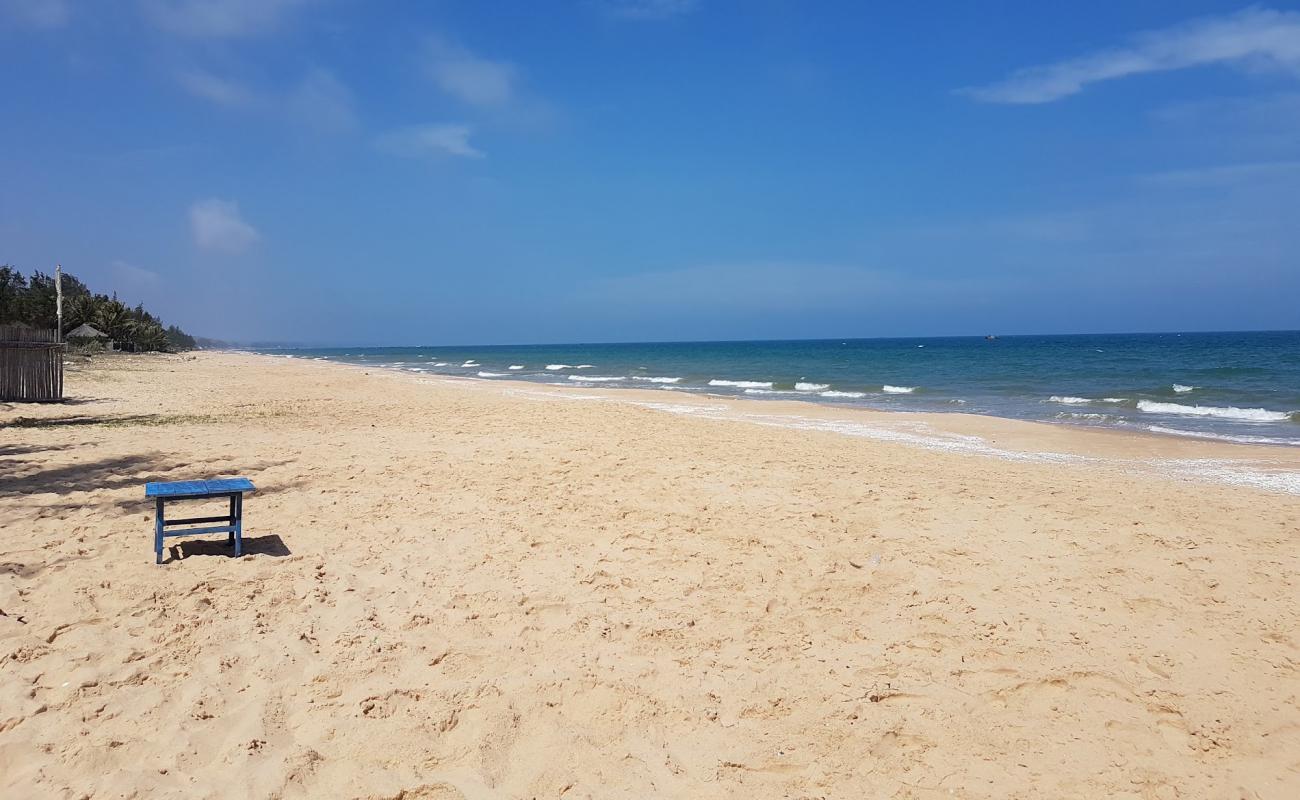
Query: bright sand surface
pixel 490 589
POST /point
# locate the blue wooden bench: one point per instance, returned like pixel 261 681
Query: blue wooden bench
pixel 163 493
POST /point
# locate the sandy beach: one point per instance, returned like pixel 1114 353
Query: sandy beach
pixel 490 589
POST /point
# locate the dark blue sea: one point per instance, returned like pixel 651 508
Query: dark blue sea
pixel 1241 387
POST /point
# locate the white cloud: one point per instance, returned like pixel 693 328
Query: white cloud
pixel 319 102
pixel 217 225
pixel 218 90
pixel 1256 39
pixel 468 77
pixel 433 140
pixel 219 18
pixel 132 275
pixel 646 9
pixel 43 14
pixel 323 103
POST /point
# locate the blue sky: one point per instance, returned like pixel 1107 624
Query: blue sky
pixel 338 171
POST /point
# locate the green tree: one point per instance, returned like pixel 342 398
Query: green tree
pixel 32 301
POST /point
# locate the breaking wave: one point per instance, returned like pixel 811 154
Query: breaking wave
pixel 887 389
pixel 742 384
pixel 1225 412
pixel 649 379
pixel 811 387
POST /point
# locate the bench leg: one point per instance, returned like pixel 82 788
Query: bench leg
pixel 239 524
pixel 158 530
pixel 233 519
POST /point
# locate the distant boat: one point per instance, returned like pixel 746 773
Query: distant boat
pixel 990 337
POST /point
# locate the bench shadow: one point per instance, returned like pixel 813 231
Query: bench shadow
pixel 266 545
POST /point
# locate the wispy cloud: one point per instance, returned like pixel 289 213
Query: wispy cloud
pixel 219 18
pixel 321 102
pixel 218 90
pixel 217 225
pixel 468 77
pixel 132 275
pixel 43 14
pixel 1255 39
pixel 435 140
pixel 645 9
pixel 1225 175
pixel 771 288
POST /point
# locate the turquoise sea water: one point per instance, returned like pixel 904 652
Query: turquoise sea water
pixel 1233 386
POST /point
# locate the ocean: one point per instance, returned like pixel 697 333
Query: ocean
pixel 1240 387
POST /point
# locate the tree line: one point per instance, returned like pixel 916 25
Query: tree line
pixel 32 301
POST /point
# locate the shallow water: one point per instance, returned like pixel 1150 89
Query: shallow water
pixel 1230 386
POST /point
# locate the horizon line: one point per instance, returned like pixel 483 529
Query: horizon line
pixel 319 346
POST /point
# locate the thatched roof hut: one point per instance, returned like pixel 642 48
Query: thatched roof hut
pixel 86 331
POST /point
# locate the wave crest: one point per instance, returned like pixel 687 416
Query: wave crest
pixel 742 384
pixel 1220 412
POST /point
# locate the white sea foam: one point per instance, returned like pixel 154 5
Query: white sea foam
pixel 1226 412
pixel 471 364
pixel 1068 400
pixel 1113 400
pixel 516 366
pixel 558 366
pixel 492 375
pixel 767 391
pixel 887 389
pixel 843 394
pixel 1182 388
pixel 584 366
pixel 442 364
pixel 1223 437
pixel 652 379
pixel 1234 473
pixel 600 378
pixel 1230 472
pixel 742 384
pixel 812 387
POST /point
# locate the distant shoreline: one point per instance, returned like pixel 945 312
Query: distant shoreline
pixel 1237 387
pixel 1138 452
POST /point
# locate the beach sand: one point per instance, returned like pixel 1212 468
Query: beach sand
pixel 488 589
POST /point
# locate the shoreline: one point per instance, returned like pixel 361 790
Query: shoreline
pixel 478 591
pixel 1155 428
pixel 1269 467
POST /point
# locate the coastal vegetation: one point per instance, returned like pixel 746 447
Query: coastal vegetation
pixel 32 301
